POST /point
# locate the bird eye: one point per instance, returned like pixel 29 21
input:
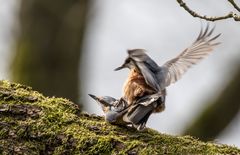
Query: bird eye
pixel 127 61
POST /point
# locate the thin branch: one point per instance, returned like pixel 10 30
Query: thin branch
pixel 234 5
pixel 194 14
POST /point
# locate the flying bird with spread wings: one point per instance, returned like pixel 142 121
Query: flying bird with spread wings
pixel 146 77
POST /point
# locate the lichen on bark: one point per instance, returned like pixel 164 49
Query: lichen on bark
pixel 31 123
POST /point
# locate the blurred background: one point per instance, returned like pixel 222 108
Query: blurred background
pixel 69 48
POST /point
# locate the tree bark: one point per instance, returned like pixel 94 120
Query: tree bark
pixel 49 46
pixel 31 123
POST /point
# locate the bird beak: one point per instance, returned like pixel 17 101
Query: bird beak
pixel 119 68
pixel 101 102
pixel 93 96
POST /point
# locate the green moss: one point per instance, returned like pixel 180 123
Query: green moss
pixel 33 124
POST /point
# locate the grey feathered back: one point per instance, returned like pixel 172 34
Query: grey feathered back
pixel 147 66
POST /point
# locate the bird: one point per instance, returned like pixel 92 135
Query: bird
pixel 112 108
pixel 137 114
pixel 118 112
pixel 147 77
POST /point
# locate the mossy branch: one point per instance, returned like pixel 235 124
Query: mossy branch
pixel 33 124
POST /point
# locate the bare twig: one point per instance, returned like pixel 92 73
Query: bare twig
pixel 234 5
pixel 194 14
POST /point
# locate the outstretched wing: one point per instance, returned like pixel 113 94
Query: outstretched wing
pixel 147 67
pixel 202 47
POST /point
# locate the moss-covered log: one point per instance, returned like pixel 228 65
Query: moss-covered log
pixel 33 124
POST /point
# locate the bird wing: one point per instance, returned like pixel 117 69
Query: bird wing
pixel 140 112
pixel 147 67
pixel 147 102
pixel 149 99
pixel 200 48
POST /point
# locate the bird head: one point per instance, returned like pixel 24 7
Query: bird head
pixel 106 102
pixel 128 63
pixel 134 55
pixel 112 108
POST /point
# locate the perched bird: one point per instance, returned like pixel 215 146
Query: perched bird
pixel 118 111
pixel 147 77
